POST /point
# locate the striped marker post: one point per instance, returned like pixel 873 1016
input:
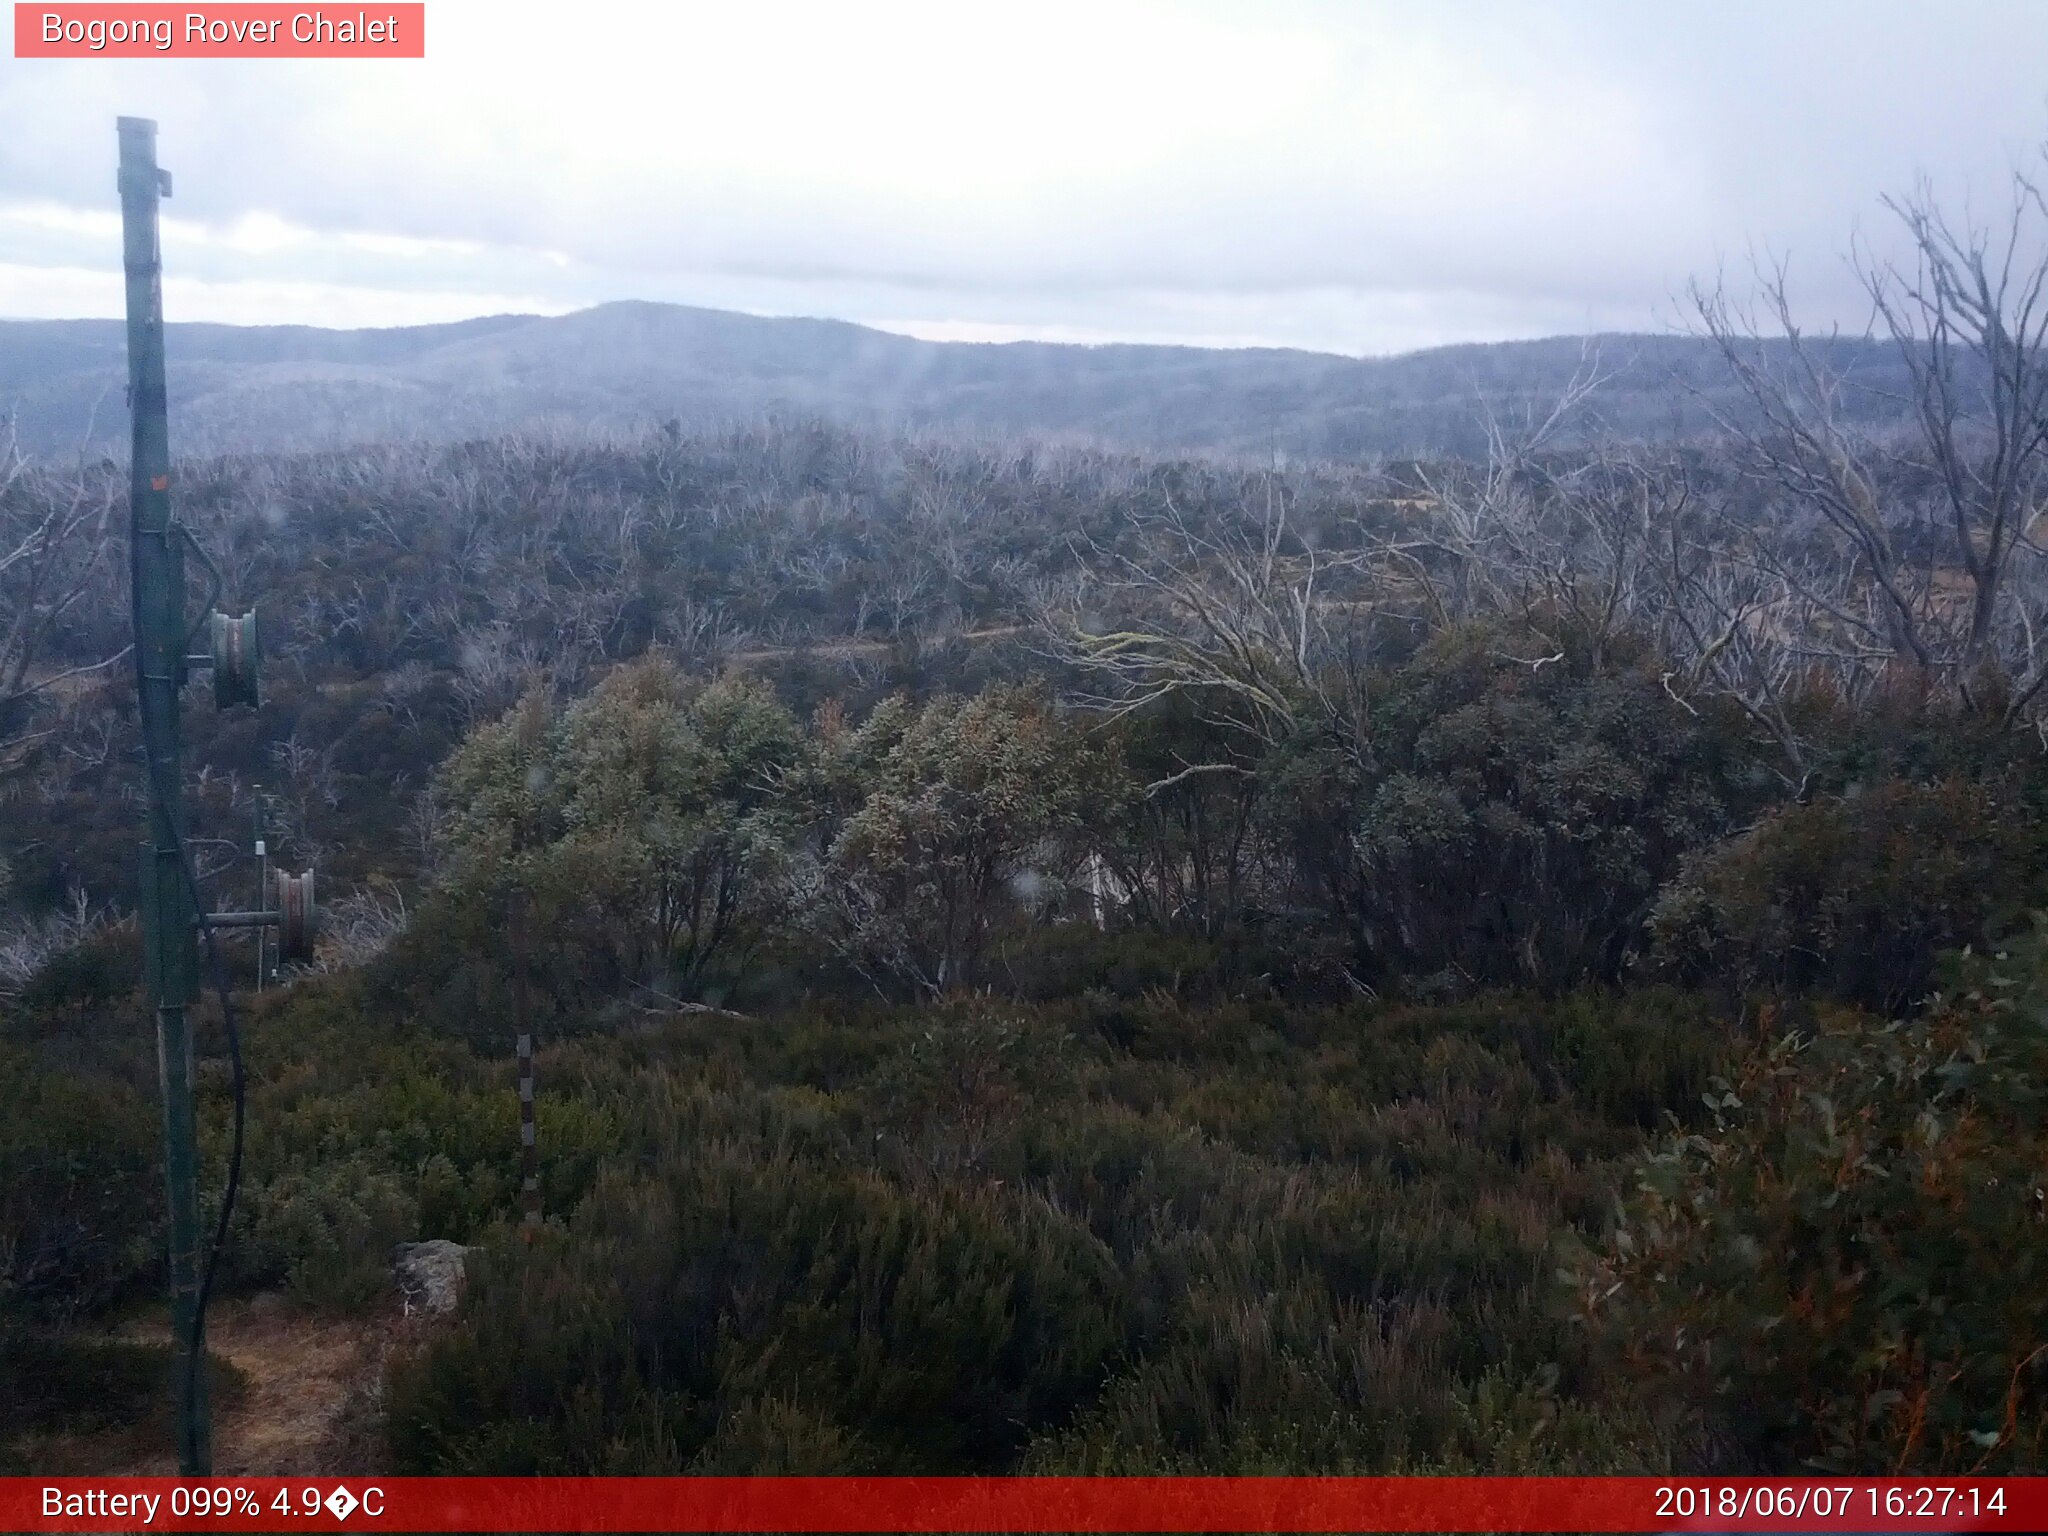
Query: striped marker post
pixel 522 1024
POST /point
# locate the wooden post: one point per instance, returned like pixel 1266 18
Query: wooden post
pixel 522 1024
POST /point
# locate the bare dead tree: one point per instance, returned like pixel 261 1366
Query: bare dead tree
pixel 1729 621
pixel 1804 445
pixel 426 827
pixel 1270 622
pixel 56 537
pixel 1262 626
pixel 904 590
pixel 361 925
pixel 1924 539
pixel 27 943
pixel 1518 532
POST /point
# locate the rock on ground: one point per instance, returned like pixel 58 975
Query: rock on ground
pixel 429 1274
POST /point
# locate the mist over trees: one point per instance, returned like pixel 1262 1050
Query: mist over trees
pixel 626 366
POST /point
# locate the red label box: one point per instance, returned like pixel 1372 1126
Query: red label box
pixel 240 31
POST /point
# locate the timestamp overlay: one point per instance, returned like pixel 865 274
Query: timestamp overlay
pixel 1039 1504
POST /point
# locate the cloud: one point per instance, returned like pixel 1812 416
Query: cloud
pixel 1347 175
pixel 61 293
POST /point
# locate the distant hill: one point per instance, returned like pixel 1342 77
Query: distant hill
pixel 253 388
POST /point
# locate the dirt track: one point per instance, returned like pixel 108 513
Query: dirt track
pixel 308 1405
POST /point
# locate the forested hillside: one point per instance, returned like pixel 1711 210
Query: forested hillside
pixel 630 366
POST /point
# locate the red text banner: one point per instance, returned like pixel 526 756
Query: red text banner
pixel 237 31
pixel 1042 1504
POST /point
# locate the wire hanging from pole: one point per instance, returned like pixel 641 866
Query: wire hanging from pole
pixel 217 970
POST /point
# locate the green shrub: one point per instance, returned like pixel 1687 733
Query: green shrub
pixel 1523 809
pixel 48 1381
pixel 775 1437
pixel 105 967
pixel 1118 1233
pixel 646 820
pixel 1849 1269
pixel 948 824
pixel 1205 1226
pixel 940 1328
pixel 1631 1057
pixel 960 1081
pixel 80 1187
pixel 77 1386
pixel 325 1234
pixel 1063 960
pixel 1854 896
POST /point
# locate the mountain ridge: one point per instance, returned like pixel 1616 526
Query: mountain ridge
pixel 631 363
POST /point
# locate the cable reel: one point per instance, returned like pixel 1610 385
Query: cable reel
pixel 292 911
pixel 235 653
pixel 298 916
pixel 237 656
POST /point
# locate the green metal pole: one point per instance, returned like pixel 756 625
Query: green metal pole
pixel 168 917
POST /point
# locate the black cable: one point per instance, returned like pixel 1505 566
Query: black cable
pixel 196 1343
pixel 239 1088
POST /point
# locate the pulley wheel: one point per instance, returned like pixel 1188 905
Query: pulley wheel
pixel 237 656
pixel 299 922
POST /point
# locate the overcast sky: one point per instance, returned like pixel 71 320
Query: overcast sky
pixel 1351 177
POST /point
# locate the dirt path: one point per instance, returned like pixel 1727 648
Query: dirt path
pixel 308 1403
pixel 312 1389
pixel 841 650
pixel 312 1385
